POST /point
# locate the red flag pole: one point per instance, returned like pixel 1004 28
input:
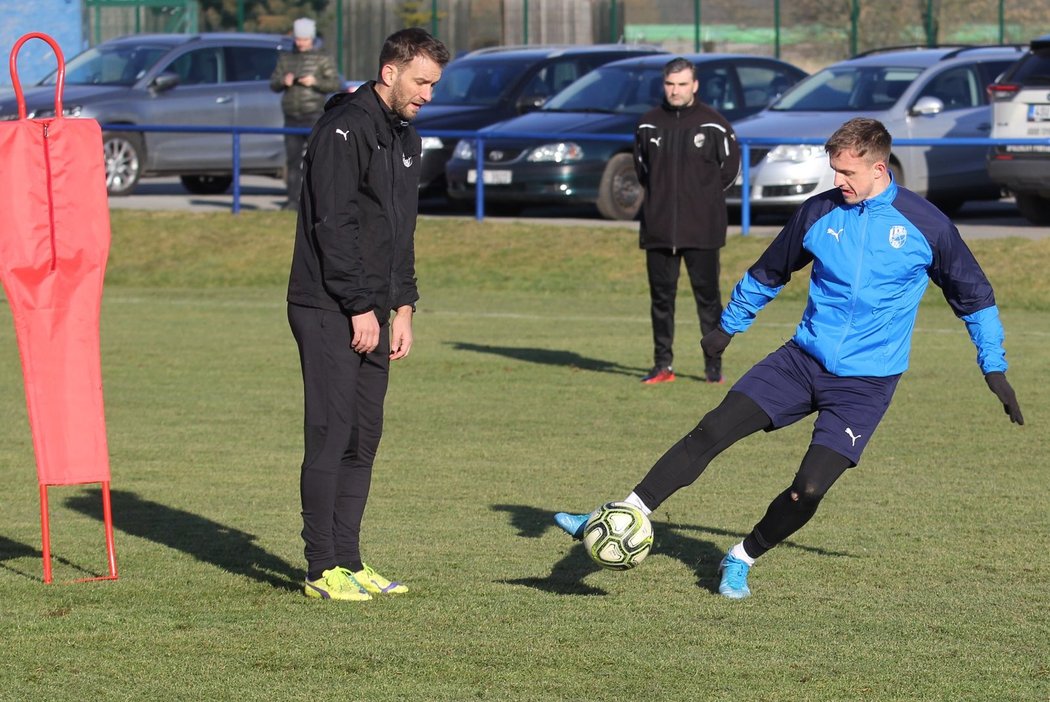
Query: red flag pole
pixel 45 530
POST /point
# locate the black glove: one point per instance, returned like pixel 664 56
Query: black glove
pixel 715 342
pixel 998 384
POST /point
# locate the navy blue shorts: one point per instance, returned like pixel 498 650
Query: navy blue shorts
pixel 789 384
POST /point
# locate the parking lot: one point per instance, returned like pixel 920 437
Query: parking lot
pixel 259 193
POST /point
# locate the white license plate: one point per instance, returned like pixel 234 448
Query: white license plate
pixel 1038 113
pixel 491 177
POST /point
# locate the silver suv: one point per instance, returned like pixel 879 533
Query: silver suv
pixel 917 93
pixel 1021 109
pixel 173 79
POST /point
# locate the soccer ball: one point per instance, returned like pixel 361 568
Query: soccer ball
pixel 618 536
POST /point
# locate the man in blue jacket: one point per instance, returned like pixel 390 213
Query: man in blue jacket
pixel 874 247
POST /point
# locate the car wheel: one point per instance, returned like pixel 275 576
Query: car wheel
pixel 206 184
pixel 124 156
pixel 1034 208
pixel 620 194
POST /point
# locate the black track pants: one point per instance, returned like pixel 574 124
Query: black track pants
pixel 663 268
pixel 344 393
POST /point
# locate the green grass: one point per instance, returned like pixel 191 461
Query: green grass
pixel 923 577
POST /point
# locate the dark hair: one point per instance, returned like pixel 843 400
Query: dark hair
pixel 403 46
pixel 862 136
pixel 678 65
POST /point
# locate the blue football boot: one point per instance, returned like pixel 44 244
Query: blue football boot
pixel 734 578
pixel 572 524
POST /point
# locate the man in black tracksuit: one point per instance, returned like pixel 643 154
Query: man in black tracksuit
pixel 353 264
pixel 686 156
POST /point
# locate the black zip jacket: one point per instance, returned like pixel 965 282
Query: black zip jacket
pixel 685 159
pixel 354 241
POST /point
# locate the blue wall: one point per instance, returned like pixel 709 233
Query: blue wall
pixel 62 20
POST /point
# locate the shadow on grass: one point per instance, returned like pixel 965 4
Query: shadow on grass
pixel 567 575
pixel 206 540
pixel 13 550
pixel 554 357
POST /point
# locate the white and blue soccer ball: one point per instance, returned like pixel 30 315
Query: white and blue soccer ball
pixel 618 536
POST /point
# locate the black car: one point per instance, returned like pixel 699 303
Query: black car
pixel 606 102
pixel 490 85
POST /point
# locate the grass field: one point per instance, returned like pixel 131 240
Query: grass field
pixel 923 577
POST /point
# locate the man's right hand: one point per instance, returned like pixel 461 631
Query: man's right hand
pixel 365 327
pixel 289 80
pixel 715 342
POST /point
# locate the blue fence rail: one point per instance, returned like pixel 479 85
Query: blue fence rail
pixel 479 137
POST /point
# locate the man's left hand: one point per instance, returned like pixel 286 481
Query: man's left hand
pixel 401 333
pixel 998 384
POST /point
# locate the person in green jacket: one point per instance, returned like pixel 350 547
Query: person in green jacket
pixel 306 77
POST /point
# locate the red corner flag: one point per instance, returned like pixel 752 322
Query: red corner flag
pixel 54 242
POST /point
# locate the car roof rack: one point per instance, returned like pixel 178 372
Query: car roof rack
pixel 908 47
pixel 956 52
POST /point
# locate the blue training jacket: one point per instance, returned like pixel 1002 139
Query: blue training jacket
pixel 871 265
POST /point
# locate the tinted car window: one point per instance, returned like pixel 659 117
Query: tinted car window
pixel 606 89
pixel 849 88
pixel 200 67
pixel 762 84
pixel 110 66
pixel 1033 70
pixel 249 63
pixel 957 88
pixel 477 83
pixel 717 88
pixel 552 78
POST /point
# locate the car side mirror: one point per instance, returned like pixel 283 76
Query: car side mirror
pixel 165 81
pixel 528 103
pixel 928 105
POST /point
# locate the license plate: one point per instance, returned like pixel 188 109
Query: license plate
pixel 1038 113
pixel 491 177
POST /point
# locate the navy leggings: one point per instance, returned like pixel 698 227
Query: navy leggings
pixel 736 417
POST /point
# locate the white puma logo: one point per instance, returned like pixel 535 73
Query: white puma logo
pixel 836 234
pixel 655 140
pixel 343 134
pixel 850 434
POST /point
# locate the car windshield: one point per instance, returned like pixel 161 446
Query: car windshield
pixel 619 89
pixel 110 65
pixel 849 88
pixel 477 83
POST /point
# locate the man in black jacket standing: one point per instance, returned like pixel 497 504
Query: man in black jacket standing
pixel 353 264
pixel 686 155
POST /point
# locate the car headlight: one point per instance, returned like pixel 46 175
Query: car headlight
pixel 44 113
pixel 796 153
pixel 432 142
pixel 558 153
pixel 464 150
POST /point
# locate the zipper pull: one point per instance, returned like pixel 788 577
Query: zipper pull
pixel 46 126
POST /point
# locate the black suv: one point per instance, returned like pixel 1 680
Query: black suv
pixel 1021 109
pixel 490 85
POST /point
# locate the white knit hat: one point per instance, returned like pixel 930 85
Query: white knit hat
pixel 304 28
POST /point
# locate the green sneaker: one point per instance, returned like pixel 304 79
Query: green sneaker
pixel 376 584
pixel 336 584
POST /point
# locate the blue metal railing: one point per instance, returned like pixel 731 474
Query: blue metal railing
pixel 480 136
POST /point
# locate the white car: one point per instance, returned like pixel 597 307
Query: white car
pixel 1021 109
pixel 917 93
